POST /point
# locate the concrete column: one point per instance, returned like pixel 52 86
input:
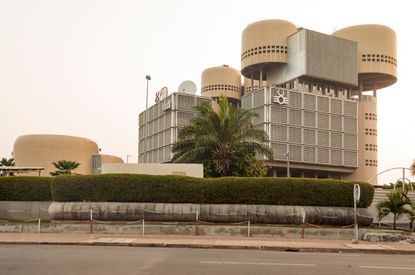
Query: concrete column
pixel 261 76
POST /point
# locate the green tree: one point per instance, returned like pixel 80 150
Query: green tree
pixel 225 142
pixel 64 167
pixel 413 168
pixel 395 204
pixel 7 162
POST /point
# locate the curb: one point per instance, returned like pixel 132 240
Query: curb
pixel 219 246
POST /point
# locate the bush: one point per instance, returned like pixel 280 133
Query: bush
pixel 228 190
pixel 25 189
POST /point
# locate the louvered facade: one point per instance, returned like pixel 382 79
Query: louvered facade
pixel 162 122
pixel 318 132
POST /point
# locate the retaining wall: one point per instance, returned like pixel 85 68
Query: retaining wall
pixel 24 210
pixel 219 213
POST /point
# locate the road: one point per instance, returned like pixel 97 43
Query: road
pixel 69 260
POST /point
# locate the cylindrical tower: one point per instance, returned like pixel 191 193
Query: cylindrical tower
pixel 42 150
pixel 223 80
pixel 264 47
pixel 377 67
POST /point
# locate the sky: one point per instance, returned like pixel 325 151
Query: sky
pixel 78 67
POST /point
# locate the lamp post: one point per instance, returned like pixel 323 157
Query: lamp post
pixel 288 163
pixel 148 78
pixel 129 156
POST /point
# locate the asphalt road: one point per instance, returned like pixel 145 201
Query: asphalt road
pixel 57 259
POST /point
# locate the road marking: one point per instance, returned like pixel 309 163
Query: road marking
pixel 256 263
pixel 111 240
pixel 387 267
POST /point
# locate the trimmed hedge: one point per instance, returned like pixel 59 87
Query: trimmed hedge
pixel 25 189
pixel 228 190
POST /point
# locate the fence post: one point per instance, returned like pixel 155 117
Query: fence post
pixel 142 218
pixel 91 218
pixel 38 220
pixel 302 222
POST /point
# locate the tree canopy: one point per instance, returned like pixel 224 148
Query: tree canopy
pixel 64 167
pixel 225 142
pixel 7 162
pixel 396 203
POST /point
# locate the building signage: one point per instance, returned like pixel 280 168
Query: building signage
pixel 162 94
pixel 166 105
pixel 280 97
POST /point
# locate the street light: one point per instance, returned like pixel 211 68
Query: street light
pixel 288 163
pixel 148 78
pixel 129 156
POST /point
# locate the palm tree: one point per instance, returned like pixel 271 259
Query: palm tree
pixel 64 167
pixel 7 162
pixel 220 140
pixel 395 204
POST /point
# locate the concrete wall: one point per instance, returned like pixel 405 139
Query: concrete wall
pixel 196 229
pixel 24 210
pixel 182 169
pixel 225 213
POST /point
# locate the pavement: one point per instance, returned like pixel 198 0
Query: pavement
pixel 179 241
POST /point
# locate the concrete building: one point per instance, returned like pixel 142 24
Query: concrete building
pixel 177 169
pixel 160 124
pixel 43 150
pixel 315 95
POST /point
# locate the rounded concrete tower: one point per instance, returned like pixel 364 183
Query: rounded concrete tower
pixel 264 46
pixel 42 150
pixel 223 80
pixel 376 51
pixel 377 67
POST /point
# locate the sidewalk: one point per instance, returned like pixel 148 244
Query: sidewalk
pixel 278 244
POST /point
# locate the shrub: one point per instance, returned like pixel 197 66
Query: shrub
pixel 228 190
pixel 25 189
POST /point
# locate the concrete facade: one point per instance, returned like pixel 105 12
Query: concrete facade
pixel 43 150
pixel 328 84
pixel 317 131
pixel 377 69
pixel 180 169
pixel 160 125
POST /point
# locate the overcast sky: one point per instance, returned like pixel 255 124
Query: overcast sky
pixel 78 67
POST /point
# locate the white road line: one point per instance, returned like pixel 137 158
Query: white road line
pixel 387 267
pixel 256 263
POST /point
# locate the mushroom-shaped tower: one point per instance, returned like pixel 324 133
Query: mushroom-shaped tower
pixel 377 66
pixel 264 48
pixel 223 80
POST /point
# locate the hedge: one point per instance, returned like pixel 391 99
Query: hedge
pixel 228 190
pixel 25 189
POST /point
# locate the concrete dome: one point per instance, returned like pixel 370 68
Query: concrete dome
pixel 223 80
pixel 264 43
pixel 376 53
pixel 111 159
pixel 42 150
